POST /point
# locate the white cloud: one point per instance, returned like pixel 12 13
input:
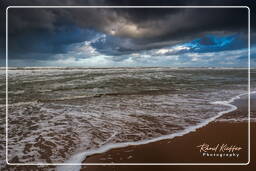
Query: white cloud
pixel 82 50
pixel 173 49
pixel 85 48
pixel 162 51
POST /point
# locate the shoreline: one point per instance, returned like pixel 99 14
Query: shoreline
pixel 88 155
pixel 174 150
pixel 181 149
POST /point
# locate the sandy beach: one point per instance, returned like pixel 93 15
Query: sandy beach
pixel 183 149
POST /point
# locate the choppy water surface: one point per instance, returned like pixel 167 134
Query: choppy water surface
pixel 55 113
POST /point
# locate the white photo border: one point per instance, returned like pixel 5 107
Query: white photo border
pixel 61 164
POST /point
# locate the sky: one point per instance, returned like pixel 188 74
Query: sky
pixel 127 37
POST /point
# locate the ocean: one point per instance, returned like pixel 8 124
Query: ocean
pixel 58 115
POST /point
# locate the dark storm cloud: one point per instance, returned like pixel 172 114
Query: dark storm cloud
pixel 46 43
pixel 135 23
pixel 129 30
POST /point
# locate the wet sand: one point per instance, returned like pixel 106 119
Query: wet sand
pixel 184 149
